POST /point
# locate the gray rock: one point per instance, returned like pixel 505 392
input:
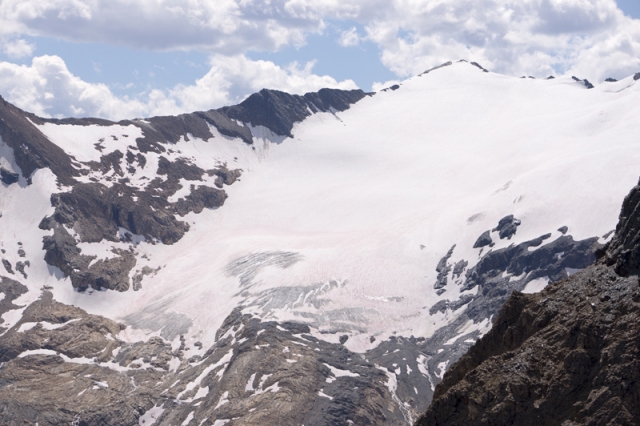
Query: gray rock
pixel 459 268
pixel 55 392
pixel 7 266
pixel 20 267
pixel 278 111
pixel 479 66
pixel 586 82
pixel 443 268
pixel 507 227
pixel 11 290
pixel 483 240
pixel 32 149
pixel 623 252
pixel 8 177
pixel 446 64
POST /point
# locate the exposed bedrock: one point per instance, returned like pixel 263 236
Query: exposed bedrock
pixel 507 227
pixel 8 177
pixel 97 211
pixel 273 374
pixel 52 374
pixel 443 268
pixel 73 368
pixel 623 252
pixel 108 274
pixel 278 111
pixel 32 150
pixel 568 355
pixel 94 212
pixel 10 290
pixel 489 284
pixel 548 260
pixel 483 240
pixel 89 336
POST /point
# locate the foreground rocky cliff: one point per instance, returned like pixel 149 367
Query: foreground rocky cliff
pixel 566 356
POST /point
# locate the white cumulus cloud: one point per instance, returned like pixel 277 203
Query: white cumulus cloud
pixel 349 38
pixel 531 37
pixel 18 48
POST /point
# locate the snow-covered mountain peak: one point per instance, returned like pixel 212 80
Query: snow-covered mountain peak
pixel 392 225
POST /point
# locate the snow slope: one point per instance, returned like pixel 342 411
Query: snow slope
pixel 342 226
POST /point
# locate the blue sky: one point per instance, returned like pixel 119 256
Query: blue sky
pixel 630 7
pixel 133 61
pixel 127 70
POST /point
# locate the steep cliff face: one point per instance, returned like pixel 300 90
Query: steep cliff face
pixel 568 355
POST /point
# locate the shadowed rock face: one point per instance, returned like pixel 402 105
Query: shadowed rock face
pixel 32 149
pixel 623 253
pixel 278 111
pixel 565 356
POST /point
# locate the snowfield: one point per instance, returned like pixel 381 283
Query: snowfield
pixel 342 226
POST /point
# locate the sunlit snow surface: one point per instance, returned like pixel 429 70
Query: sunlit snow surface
pixel 342 226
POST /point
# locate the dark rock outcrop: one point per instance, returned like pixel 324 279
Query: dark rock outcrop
pixel 278 111
pixel 8 177
pixel 10 290
pixel 507 227
pixel 549 260
pixel 32 149
pixel 475 64
pixel 98 212
pixel 623 252
pixel 483 240
pixel 586 82
pixel 568 355
pixel 443 268
pixel 446 64
pixel 7 266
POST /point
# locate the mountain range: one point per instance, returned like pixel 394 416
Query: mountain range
pixel 335 258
